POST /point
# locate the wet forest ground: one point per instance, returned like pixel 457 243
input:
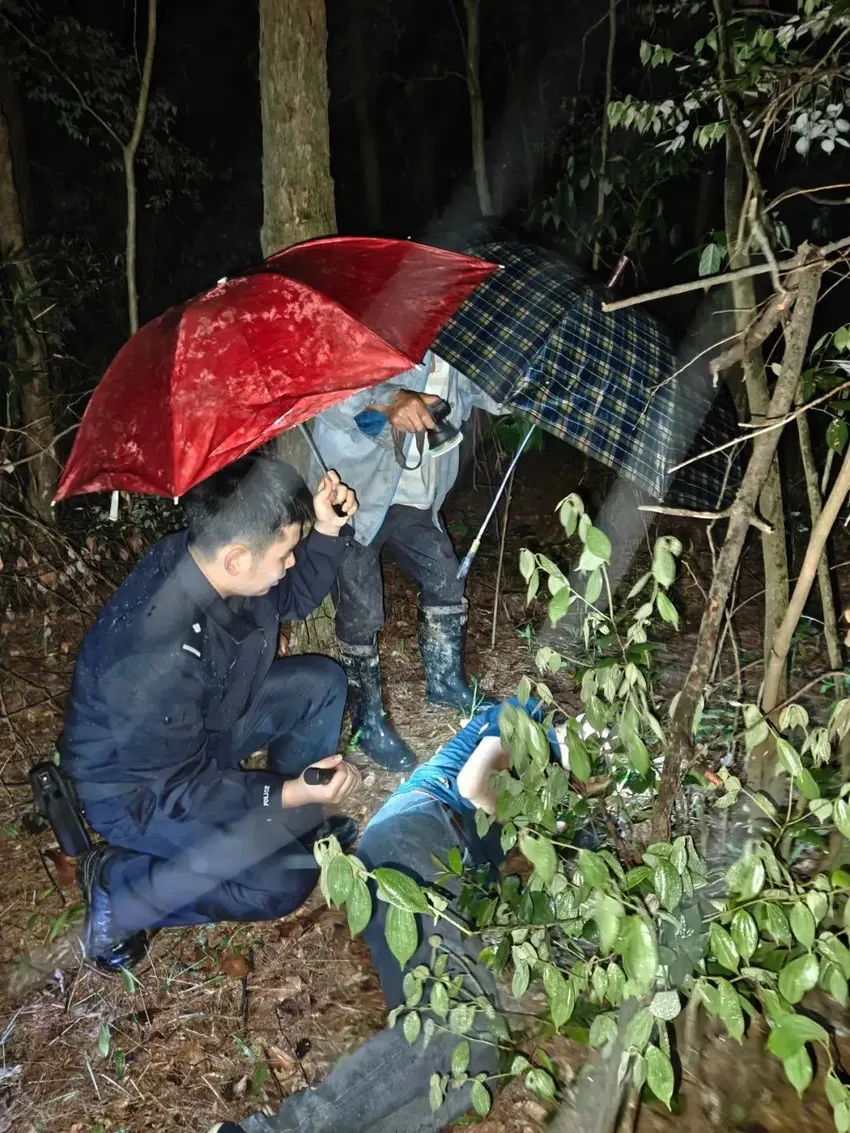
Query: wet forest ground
pixel 225 1020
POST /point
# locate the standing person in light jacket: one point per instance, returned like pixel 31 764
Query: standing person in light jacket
pixel 177 682
pixel 366 437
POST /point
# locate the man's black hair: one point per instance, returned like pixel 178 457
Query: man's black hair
pixel 246 502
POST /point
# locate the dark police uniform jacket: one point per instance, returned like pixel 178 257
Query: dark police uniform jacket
pixel 167 670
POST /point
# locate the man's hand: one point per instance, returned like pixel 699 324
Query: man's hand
pixel 296 792
pixel 408 411
pixel 331 491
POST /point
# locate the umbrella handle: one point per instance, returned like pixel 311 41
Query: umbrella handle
pixel 314 448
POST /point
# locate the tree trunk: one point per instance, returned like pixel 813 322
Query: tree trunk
pixel 774 553
pixel 476 105
pixel 680 749
pixel 31 355
pixel 370 162
pixel 298 193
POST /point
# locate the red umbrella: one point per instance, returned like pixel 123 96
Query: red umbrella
pixel 215 377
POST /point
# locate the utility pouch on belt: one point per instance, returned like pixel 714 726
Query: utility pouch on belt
pixel 56 801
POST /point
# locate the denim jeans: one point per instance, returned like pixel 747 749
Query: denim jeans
pixel 383 1087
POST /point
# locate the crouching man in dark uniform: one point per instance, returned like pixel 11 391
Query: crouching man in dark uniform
pixel 178 682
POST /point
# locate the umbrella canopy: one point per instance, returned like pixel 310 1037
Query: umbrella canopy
pixel 535 337
pixel 215 377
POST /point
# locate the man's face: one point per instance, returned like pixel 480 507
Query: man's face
pixel 250 575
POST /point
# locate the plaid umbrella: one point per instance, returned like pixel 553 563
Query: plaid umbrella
pixel 535 337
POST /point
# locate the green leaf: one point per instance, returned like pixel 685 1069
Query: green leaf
pixel 637 876
pixel 461 1018
pixel 746 877
pixel 559 605
pixel 711 260
pixel 668 885
pixel 639 1072
pixel 744 933
pixel 789 758
pixel 666 609
pixel 639 1029
pixel 793 1032
pixel 836 1091
pixel 358 906
pixel 774 922
pixel 579 762
pixel 521 980
pixel 841 1117
pixel 603 1030
pixel 435 1092
pixel 440 1000
pixel 836 951
pixel 640 955
pixel 592 869
pixel 723 947
pixel 412 1026
pixel 841 816
pixel 400 891
pixel 836 434
pixel 413 989
pixel 103 1039
pixel 594 587
pixel 608 914
pixel 598 543
pixel 340 880
pixel 401 933
pixel 665 1005
pixel 560 994
pixel 659 1074
pixel 541 853
pixel 540 1083
pixel 481 1100
pixel 803 924
pixel 798 977
pixel 129 980
pixel 527 563
pixel 460 1059
pixel 616 985
pixel 729 1009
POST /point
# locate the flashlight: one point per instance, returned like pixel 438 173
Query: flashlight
pixel 444 436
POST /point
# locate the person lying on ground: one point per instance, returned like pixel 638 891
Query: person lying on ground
pixel 384 1086
pixel 178 681
pixel 378 441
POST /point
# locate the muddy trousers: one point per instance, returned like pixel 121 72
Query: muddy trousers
pixel 383 1087
pixel 422 550
pixel 250 865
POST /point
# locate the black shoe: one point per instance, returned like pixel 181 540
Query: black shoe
pixel 226 1127
pixel 374 734
pixel 441 637
pixel 107 946
pixel 344 829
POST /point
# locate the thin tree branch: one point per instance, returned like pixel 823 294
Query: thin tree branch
pixel 712 516
pixel 710 281
pixel 757 430
pixel 130 169
pixel 808 572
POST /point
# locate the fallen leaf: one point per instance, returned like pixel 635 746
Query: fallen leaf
pixel 193 1052
pixel 235 966
pixel 283 1062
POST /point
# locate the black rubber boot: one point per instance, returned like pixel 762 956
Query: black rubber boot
pixel 108 947
pixel 369 725
pixel 441 639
